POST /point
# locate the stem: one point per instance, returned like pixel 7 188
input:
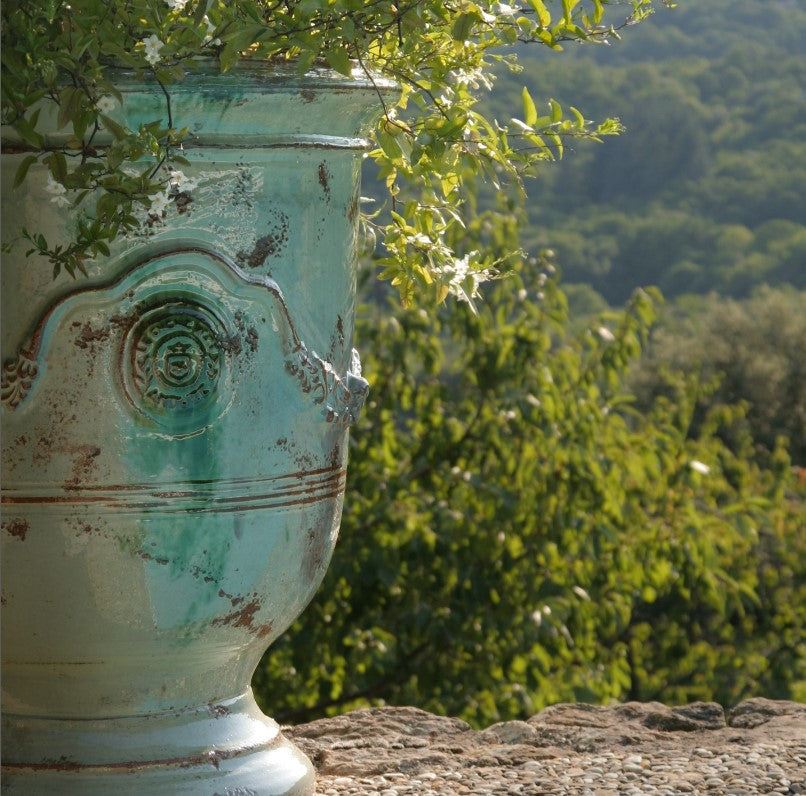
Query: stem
pixel 166 158
pixel 167 98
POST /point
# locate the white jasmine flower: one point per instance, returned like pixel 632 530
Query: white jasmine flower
pixel 460 268
pixel 605 334
pixel 55 188
pixel 537 615
pixel 463 281
pixel 210 31
pixel 179 182
pixel 470 136
pixel 177 5
pixel 57 192
pixel 106 104
pixel 473 78
pixel 699 467
pixel 153 46
pixel 159 204
pixel 447 96
pixel 420 239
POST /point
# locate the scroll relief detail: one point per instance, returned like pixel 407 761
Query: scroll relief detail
pixel 18 377
pixel 343 398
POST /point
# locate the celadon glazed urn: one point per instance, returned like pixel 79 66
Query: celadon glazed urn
pixel 175 442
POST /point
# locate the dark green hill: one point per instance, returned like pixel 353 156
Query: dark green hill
pixel 706 191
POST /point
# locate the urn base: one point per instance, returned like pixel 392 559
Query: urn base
pixel 227 748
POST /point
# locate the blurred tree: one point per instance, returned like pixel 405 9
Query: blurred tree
pixel 667 143
pixel 752 351
pixel 516 534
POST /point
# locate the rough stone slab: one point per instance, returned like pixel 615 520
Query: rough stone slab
pixel 758 711
pixel 575 750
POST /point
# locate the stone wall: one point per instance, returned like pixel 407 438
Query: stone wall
pixel 631 749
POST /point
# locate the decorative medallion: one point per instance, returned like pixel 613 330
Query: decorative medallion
pixel 175 356
pixel 173 362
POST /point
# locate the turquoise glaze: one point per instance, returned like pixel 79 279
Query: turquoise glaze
pixel 175 443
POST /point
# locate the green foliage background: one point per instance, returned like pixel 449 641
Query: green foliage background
pixel 516 535
pixel 599 505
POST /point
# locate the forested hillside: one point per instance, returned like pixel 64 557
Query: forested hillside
pixel 707 189
pixel 704 193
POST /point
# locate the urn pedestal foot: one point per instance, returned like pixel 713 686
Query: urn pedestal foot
pixel 228 748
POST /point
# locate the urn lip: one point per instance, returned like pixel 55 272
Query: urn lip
pixel 257 103
pixel 267 75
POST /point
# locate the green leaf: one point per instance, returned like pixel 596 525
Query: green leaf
pixel 114 158
pixel 339 59
pixel 462 26
pixel 22 169
pixel 529 109
pixel 348 28
pixel 69 103
pixel 83 118
pixel 243 36
pixel 542 12
pixel 117 130
pixel 25 130
pixel 58 166
pixel 227 58
pixel 578 116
